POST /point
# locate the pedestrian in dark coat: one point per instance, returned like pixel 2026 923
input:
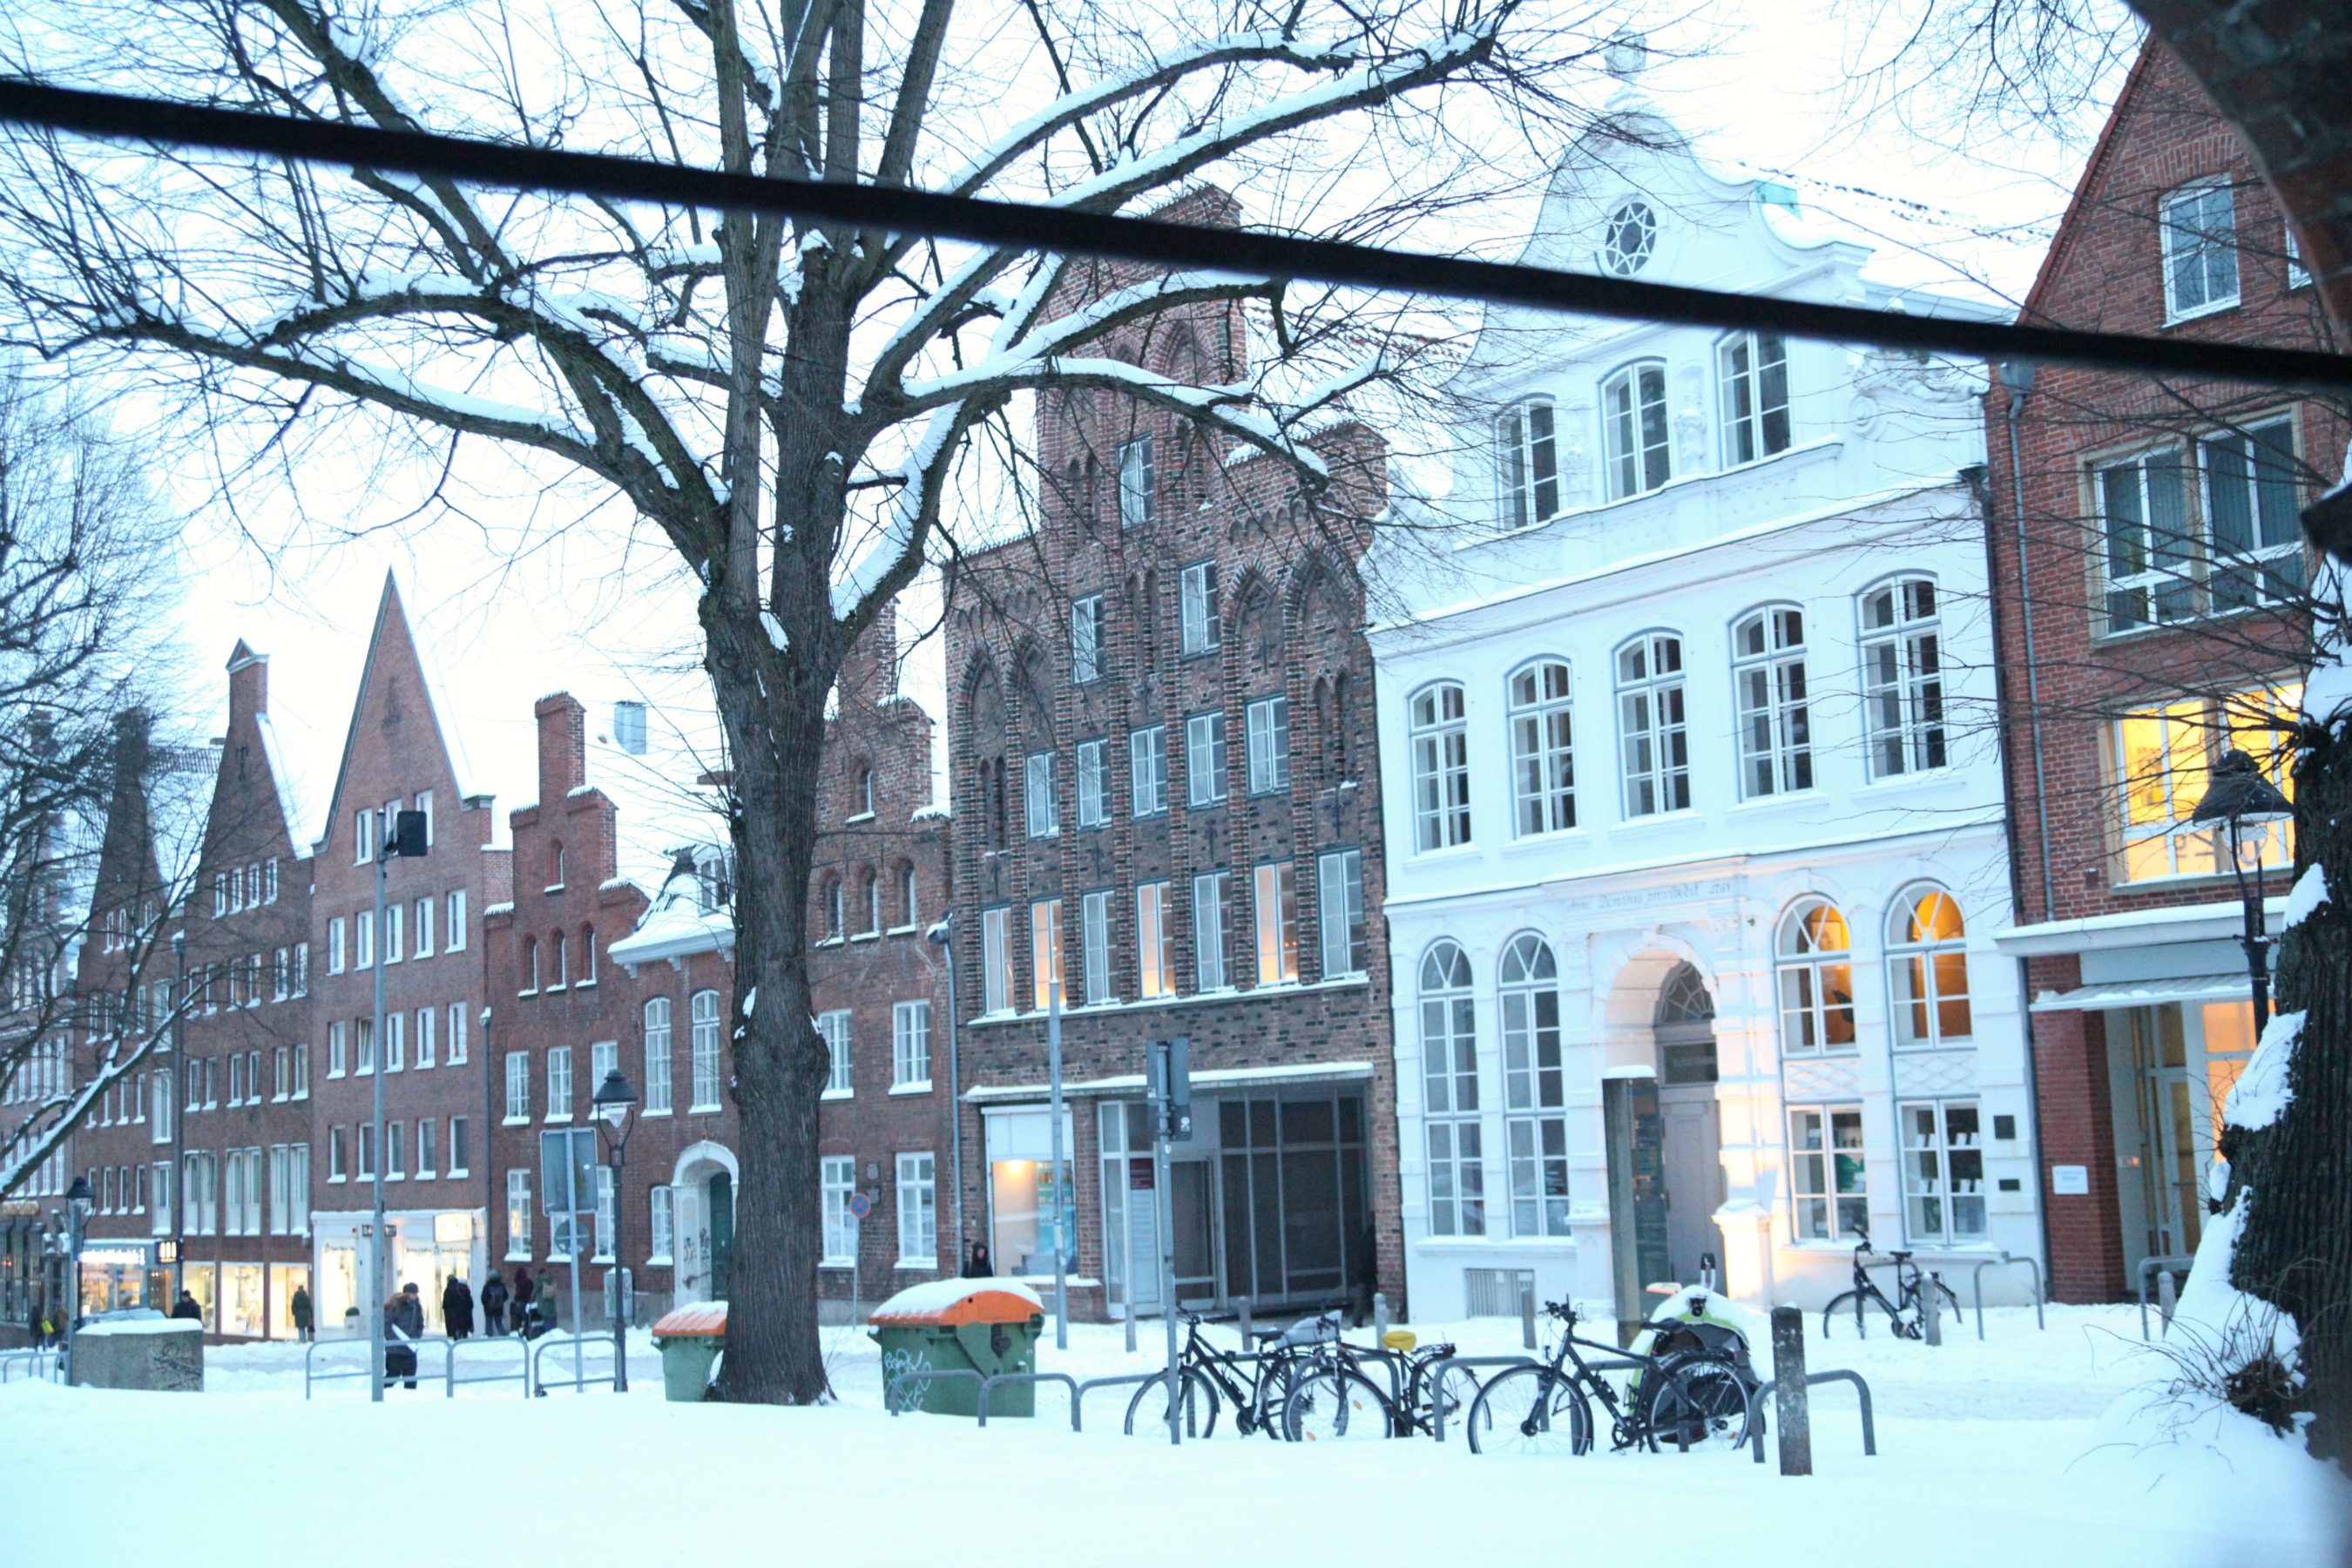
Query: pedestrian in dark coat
pixel 494 1304
pixel 297 1307
pixel 186 1306
pixel 412 1312
pixel 400 1358
pixel 519 1304
pixel 457 1307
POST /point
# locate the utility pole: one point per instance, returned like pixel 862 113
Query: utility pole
pixel 1053 1077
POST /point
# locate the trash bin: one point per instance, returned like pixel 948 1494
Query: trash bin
pixel 987 1326
pixel 690 1339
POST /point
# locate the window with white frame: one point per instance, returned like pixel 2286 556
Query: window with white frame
pixel 833 1028
pixel 461 1145
pixel 1136 500
pixel 1633 430
pixel 1094 782
pixel 1449 1061
pixel 1198 627
pixel 604 1060
pixel 1814 970
pixel 337 1062
pixel 394 922
pixel 661 1223
pixel 1267 730
pixel 1543 754
pixel 1928 970
pixel 1277 911
pixel 1204 759
pixel 1534 1089
pixel 518 1215
pixel 2200 227
pixel 363 939
pixel 1146 758
pixel 910 1045
pixel 1526 464
pixel 362 1045
pixel 996 985
pixel 335 945
pixel 517 1087
pixel 363 837
pixel 1086 638
pixel 1045 953
pixel 837 1176
pixel 1903 678
pixel 703 1026
pixel 454 933
pixel 1155 942
pixel 426 1045
pixel 656 1030
pixel 1094 945
pixel 2251 503
pixel 1340 892
pixel 1768 673
pixel 457 1033
pixel 1042 810
pixel 1943 1173
pixel 428 1153
pixel 1751 378
pixel 2163 756
pixel 424 927
pixel 1652 734
pixel 918 1245
pixel 559 1083
pixel 1441 767
pixel 1829 1186
pixel 604 1199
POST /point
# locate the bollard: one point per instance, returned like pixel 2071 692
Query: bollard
pixel 2167 1296
pixel 1241 1306
pixel 1131 1328
pixel 1379 1318
pixel 1789 1406
pixel 1527 1313
pixel 1931 1314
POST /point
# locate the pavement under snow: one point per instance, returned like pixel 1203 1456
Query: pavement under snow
pixel 2023 1450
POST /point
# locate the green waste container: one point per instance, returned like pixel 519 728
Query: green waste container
pixel 978 1325
pixel 690 1339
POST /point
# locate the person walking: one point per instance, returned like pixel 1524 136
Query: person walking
pixel 494 1304
pixel 519 1304
pixel 546 1302
pixel 186 1306
pixel 297 1307
pixel 399 1359
pixel 412 1312
pixel 457 1307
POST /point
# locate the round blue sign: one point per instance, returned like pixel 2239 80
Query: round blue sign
pixel 860 1206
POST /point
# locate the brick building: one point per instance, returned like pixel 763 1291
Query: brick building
pixel 1166 798
pixel 2150 621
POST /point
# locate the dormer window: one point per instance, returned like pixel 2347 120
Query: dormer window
pixel 1526 464
pixel 1633 427
pixel 1628 238
pixel 1752 375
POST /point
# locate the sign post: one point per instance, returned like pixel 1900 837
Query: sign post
pixel 567 1165
pixel 1170 1081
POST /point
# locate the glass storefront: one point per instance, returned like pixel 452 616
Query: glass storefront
pixel 199 1279
pixel 2172 1068
pixel 337 1296
pixel 284 1279
pixel 1022 1193
pixel 241 1300
pixel 116 1276
pixel 429 1251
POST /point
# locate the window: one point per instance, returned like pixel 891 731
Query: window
pixel 1650 728
pixel 426 1154
pixel 1043 816
pixel 1085 639
pixel 161 1224
pixel 861 794
pixel 457 1033
pixel 1633 430
pixel 1441 767
pixel 1752 377
pixel 395 1042
pixel 1526 464
pixel 1147 759
pixel 363 939
pixel 424 1021
pixel 1268 723
pixel 280 974
pixel 454 939
pixel 661 1220
pixel 1093 943
pixel 2251 510
pixel 919 1244
pixel 1767 673
pixel 1340 889
pixel 335 945
pixel 1135 489
pixel 1094 783
pixel 604 1236
pixel 1543 755
pixel 1829 1187
pixel 236 1078
pixel 838 1174
pixel 1205 758
pixel 392 922
pixel 656 1013
pixel 2200 250
pixel 1628 238
pixel 1928 959
pixel 910 1045
pixel 1816 980
pixel 1449 1060
pixel 335 1057
pixel 519 1213
pixel 559 1083
pixel 907 900
pixel 871 899
pixel 366 1139
pixel 1534 1091
pixel 2144 510
pixel 1045 951
pixel 461 1145
pixel 834 1030
pixel 1943 1174
pixel 363 837
pixel 996 960
pixel 2164 755
pixel 836 924
pixel 1155 942
pixel 1278 925
pixel 1196 603
pixel 301 1072
pixel 703 1025
pixel 1902 679
pixel 603 1059
pixel 517 1087
pixel 363 1046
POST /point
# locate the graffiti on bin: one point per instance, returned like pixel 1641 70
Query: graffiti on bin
pixel 896 1365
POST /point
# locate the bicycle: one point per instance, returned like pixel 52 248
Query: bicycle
pixel 1906 1314
pixel 1686 1398
pixel 1334 1400
pixel 1205 1374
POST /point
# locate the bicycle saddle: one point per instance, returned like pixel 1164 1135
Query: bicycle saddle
pixel 1900 1256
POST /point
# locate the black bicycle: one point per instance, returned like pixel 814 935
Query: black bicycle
pixel 1906 1314
pixel 1684 1399
pixel 1333 1398
pixel 1259 1390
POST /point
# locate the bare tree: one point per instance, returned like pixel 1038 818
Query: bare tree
pixel 790 405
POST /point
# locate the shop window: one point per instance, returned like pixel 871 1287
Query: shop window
pixel 1943 1174
pixel 1828 1184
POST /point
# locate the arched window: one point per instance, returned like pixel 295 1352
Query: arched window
pixel 834 927
pixel 587 955
pixel 1902 677
pixel 1526 468
pixel 861 799
pixel 1927 959
pixel 531 963
pixel 907 907
pixel 1815 968
pixel 1767 675
pixel 1633 430
pixel 1652 738
pixel 1686 1028
pixel 1543 757
pixel 555 865
pixel 1449 1059
pixel 658 1096
pixel 1534 1092
pixel 562 952
pixel 872 901
pixel 705 1014
pixel 1441 767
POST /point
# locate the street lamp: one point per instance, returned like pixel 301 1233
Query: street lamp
pixel 174 1089
pixel 403 835
pixel 2240 794
pixel 610 1106
pixel 77 1201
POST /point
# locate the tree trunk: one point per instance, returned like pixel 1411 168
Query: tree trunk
pixel 775 730
pixel 2294 1249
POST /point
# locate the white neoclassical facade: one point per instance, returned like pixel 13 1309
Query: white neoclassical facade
pixel 1693 802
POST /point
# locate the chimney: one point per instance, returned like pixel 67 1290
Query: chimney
pixel 870 670
pixel 562 747
pixel 248 683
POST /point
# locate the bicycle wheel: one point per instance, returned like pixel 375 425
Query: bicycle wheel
pixel 1146 1413
pixel 1268 1398
pixel 1696 1403
pixel 1529 1410
pixel 1332 1405
pixel 1454 1394
pixel 1851 1309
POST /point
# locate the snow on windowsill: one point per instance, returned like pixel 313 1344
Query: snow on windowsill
pixel 902 930
pixel 837 1094
pixel 922 1087
pixel 861 816
pixel 865 936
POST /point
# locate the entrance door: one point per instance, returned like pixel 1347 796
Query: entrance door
pixel 1691 1136
pixel 722 1233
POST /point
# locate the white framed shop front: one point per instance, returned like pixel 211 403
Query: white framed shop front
pixel 428 1249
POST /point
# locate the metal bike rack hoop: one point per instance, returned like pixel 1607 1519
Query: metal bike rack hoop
pixel 1862 1389
pixel 1976 1278
pixel 1437 1428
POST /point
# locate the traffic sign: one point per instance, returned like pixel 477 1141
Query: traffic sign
pixel 860 1206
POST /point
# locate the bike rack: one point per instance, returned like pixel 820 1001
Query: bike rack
pixel 1437 1428
pixel 39 1363
pixel 988 1387
pixel 1078 1395
pixel 450 1380
pixel 2004 1261
pixel 2174 1263
pixel 1862 1389
pixel 545 1342
pixel 893 1389
pixel 311 1375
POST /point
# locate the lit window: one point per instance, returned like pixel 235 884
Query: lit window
pixel 1768 663
pixel 1045 951
pixel 2164 757
pixel 1278 925
pixel 1815 972
pixel 1926 953
pixel 1526 464
pixel 1543 759
pixel 1751 373
pixel 1441 767
pixel 2200 250
pixel 1155 942
pixel 1633 427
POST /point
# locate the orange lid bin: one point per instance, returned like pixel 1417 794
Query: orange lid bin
pixel 947 1303
pixel 704 1321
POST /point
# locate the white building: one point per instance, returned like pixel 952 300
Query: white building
pixel 1694 810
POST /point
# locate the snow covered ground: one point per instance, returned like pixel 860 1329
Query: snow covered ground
pixel 1996 1452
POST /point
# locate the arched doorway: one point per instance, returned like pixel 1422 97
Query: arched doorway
pixel 702 1195
pixel 1692 1130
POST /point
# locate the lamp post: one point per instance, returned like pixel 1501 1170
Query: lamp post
pixel 176 1089
pixel 610 1106
pixel 942 935
pixel 2240 794
pixel 399 833
pixel 78 1199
